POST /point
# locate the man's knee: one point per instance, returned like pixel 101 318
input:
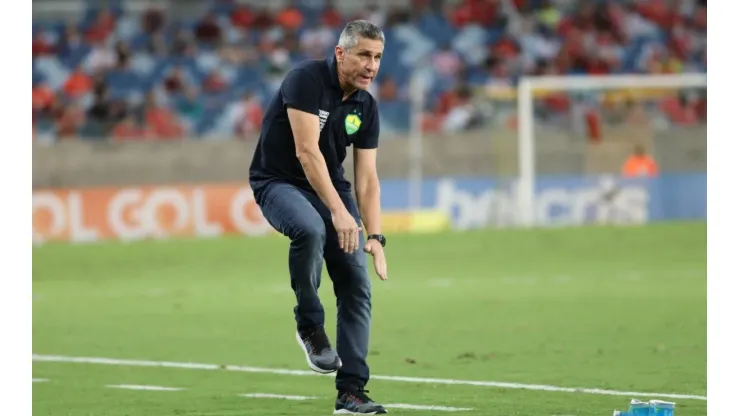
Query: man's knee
pixel 311 234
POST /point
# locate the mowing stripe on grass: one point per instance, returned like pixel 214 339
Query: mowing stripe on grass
pixel 280 371
pixel 141 387
pixel 276 396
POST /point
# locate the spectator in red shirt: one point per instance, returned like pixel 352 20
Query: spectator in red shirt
pixel 639 164
pixel 244 117
pixel 40 46
pixel 262 19
pixel 78 83
pixel 103 26
pixel 250 121
pixel 290 17
pixel 128 129
pixel 69 120
pixel 42 98
pixel 161 120
pixel 330 16
pixel 242 17
pixel 481 12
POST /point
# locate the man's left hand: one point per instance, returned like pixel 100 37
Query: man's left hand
pixel 373 247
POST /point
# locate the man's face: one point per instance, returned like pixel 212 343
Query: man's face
pixel 359 66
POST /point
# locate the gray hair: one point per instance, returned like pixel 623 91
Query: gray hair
pixel 357 29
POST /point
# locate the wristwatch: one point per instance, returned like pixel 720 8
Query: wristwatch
pixel 379 237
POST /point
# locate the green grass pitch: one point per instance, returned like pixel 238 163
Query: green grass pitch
pixel 600 307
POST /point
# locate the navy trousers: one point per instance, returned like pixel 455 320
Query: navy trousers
pixel 306 221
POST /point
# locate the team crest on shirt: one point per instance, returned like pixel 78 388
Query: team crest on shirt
pixel 352 123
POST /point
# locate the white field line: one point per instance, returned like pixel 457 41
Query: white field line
pixel 40 380
pixel 276 396
pixel 419 407
pixel 142 387
pixel 423 380
pixel 390 406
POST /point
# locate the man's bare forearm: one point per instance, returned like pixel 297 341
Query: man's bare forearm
pixel 368 199
pixel 314 165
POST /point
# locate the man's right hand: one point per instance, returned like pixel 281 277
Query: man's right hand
pixel 347 230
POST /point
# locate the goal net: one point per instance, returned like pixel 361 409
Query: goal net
pixel 579 150
pixel 611 149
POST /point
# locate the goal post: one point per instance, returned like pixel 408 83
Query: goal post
pixel 527 89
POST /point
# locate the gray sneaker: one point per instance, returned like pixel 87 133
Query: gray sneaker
pixel 356 402
pixel 319 354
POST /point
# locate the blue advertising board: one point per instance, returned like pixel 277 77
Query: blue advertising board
pixel 473 202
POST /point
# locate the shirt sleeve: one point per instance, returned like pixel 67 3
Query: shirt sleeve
pixel 301 91
pixel 369 134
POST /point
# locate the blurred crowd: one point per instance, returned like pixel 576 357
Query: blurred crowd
pixel 149 75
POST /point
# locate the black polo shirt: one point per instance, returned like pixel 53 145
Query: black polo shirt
pixel 313 86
